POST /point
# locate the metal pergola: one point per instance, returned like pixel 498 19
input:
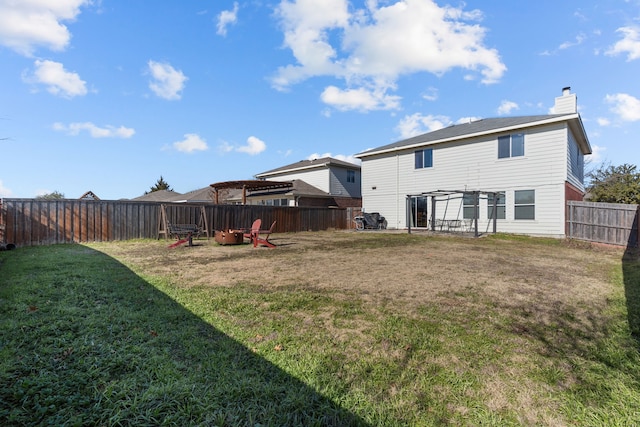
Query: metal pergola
pixel 439 196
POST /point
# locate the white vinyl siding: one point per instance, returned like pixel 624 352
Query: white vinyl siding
pixel 473 165
pixel 575 163
pixel 319 178
pixel 380 189
pixel 339 182
pixel 332 180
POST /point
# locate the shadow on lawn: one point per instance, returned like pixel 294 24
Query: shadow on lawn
pixel 97 345
pixel 631 277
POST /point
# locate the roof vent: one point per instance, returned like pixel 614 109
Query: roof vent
pixel 566 90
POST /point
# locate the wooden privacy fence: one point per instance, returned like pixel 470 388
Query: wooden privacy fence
pixel 26 222
pixel 612 223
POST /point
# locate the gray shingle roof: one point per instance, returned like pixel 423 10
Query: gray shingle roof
pixel 306 164
pixel 200 195
pixel 158 196
pixel 467 129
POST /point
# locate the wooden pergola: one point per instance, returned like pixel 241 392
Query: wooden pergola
pixel 249 185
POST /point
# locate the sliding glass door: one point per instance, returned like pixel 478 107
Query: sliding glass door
pixel 419 215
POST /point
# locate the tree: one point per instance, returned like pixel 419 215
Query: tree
pixel 51 196
pixel 615 184
pixel 161 184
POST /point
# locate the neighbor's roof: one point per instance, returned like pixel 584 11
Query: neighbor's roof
pixel 309 164
pixel 201 195
pixel 301 188
pixel 89 195
pixel 296 188
pixel 252 185
pixel 484 127
pixel 159 196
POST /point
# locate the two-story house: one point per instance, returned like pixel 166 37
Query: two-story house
pixel 318 182
pixel 524 170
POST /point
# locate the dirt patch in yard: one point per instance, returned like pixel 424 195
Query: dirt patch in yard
pixel 397 270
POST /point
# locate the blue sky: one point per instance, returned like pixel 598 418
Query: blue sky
pixel 109 95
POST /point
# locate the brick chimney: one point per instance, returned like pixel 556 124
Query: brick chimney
pixel 567 103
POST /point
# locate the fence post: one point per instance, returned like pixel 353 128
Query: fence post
pixel 637 221
pixel 570 219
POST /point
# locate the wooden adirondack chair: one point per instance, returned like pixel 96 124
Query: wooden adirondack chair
pixel 261 237
pixel 255 229
pixel 264 240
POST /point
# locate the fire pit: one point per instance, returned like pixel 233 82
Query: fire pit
pixel 228 237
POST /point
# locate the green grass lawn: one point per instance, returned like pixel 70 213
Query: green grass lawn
pixel 88 339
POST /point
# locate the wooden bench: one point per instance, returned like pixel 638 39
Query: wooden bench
pixel 184 231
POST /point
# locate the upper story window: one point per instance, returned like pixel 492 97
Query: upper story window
pixel 576 159
pixel 511 145
pixel 424 158
pixel 351 176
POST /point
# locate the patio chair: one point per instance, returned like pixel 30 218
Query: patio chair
pixel 257 240
pixel 255 228
pixel 254 234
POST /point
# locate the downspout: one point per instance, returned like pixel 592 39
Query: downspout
pixel 408 216
pixel 398 188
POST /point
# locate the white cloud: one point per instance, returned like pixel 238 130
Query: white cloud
pixel 167 82
pixel 580 38
pixel 431 94
pixel 345 158
pixel 629 45
pixel 359 99
pixel 26 24
pixel 417 124
pixel 4 191
pixel 226 18
pixel 225 147
pixel 506 107
pixel 379 44
pixel 254 146
pixel 95 131
pixel 578 41
pixel 58 80
pixel 603 121
pixel 627 107
pixel 191 142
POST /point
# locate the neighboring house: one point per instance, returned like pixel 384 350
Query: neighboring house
pixel 531 166
pixel 202 195
pixel 319 182
pixel 158 196
pixel 89 195
pixel 295 193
